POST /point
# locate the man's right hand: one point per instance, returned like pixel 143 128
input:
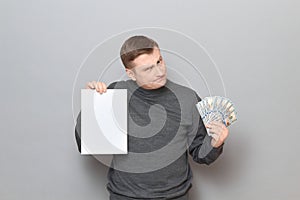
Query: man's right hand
pixel 98 86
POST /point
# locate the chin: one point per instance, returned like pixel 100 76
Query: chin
pixel 159 84
pixel 163 82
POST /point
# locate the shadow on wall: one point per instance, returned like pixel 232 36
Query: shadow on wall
pixel 96 173
pixel 228 169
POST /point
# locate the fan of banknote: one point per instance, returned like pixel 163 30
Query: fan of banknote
pixel 217 108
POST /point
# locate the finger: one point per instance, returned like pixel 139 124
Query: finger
pixel 210 124
pixel 99 87
pixel 95 86
pixel 217 123
pixel 215 137
pixel 103 87
pixel 90 85
pixel 215 130
pixel 222 133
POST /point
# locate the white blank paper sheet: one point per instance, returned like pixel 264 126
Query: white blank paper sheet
pixel 104 122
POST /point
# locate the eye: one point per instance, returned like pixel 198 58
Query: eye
pixel 148 68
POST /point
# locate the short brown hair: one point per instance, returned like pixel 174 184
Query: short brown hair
pixel 134 47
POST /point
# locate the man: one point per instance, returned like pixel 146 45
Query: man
pixel 164 126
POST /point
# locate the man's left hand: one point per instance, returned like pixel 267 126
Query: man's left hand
pixel 219 133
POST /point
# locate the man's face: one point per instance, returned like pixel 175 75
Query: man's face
pixel 149 70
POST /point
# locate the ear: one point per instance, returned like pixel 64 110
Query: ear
pixel 130 74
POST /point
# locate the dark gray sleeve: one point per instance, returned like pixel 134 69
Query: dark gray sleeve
pixel 78 124
pixel 200 146
pixel 78 132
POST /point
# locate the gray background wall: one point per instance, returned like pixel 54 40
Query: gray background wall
pixel 255 44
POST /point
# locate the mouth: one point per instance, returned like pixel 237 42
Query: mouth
pixel 160 78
